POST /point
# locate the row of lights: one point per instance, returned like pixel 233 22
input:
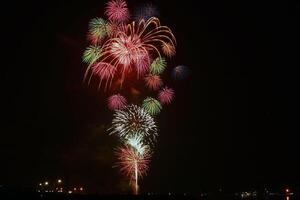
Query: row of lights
pixel 47 183
pixel 75 189
pixel 59 181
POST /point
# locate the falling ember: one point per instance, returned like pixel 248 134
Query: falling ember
pixel 116 101
pixel 166 95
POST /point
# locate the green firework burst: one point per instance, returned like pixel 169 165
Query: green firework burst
pixel 98 28
pixel 91 54
pixel 152 106
pixel 158 65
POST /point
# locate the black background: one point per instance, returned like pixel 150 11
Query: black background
pixel 233 124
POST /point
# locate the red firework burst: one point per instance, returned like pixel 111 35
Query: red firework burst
pixel 166 95
pixel 116 102
pixel 117 11
pixel 132 163
pixel 103 70
pixel 153 82
pixel 128 47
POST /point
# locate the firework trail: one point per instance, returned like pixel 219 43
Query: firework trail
pixel 132 163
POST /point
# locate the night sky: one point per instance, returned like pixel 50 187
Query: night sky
pixel 233 124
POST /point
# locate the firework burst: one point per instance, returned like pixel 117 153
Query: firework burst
pixel 97 30
pixel 136 142
pixel 120 51
pixel 130 47
pixel 153 82
pixel 129 52
pixel 166 95
pixel 132 120
pixel 152 106
pixel 132 163
pixel 158 66
pixel 117 11
pixel 168 49
pixel 128 157
pixel 180 72
pixel 91 54
pixel 116 101
pixel 146 11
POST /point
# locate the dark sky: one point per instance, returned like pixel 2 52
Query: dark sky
pixel 234 122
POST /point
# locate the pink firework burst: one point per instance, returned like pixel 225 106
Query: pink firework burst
pixel 117 11
pixel 153 82
pixel 166 95
pixel 128 51
pixel 132 163
pixel 116 102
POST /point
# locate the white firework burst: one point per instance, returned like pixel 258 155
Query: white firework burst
pixel 136 142
pixel 134 120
